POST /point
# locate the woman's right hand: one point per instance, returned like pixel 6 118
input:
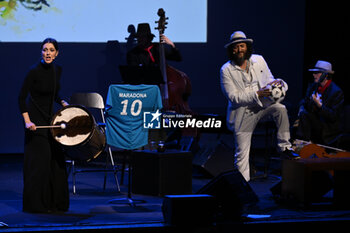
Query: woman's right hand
pixel 28 123
pixel 31 126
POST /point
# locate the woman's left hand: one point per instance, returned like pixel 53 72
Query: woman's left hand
pixel 64 103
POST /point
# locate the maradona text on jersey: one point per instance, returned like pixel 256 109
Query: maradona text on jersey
pixel 132 95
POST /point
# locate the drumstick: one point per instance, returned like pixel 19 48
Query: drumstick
pixel 62 126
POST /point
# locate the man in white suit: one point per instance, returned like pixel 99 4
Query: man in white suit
pixel 244 79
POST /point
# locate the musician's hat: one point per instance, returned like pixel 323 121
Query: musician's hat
pixel 323 66
pixel 238 37
pixel 143 29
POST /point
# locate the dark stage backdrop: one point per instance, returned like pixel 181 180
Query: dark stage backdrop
pixel 277 28
pixel 326 38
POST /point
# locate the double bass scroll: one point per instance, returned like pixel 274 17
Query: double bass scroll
pixel 162 60
pixel 176 87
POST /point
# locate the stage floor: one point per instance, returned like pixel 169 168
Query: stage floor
pixel 91 209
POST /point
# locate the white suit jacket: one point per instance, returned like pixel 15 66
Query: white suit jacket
pixel 234 89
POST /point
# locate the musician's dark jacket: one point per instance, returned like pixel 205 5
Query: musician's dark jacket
pixel 140 57
pixel 329 114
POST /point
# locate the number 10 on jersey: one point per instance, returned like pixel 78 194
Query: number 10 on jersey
pixel 135 107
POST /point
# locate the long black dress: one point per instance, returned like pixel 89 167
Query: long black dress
pixel 44 172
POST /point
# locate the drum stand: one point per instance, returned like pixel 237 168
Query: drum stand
pixel 128 200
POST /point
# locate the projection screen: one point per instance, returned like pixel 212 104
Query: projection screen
pixel 99 20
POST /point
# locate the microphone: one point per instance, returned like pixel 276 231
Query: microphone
pixel 320 80
pixel 322 77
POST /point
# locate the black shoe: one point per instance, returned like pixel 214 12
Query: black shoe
pixel 289 154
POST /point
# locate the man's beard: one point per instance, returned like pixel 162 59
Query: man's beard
pixel 240 60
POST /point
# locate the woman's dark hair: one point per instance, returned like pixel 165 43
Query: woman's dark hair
pixel 50 40
pixel 229 51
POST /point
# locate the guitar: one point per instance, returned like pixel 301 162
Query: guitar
pixel 308 149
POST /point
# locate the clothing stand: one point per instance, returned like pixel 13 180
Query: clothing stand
pixel 128 200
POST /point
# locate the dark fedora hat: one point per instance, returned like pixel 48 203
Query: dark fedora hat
pixel 143 29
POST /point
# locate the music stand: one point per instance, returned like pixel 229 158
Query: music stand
pixel 116 123
pixel 128 200
pixel 136 75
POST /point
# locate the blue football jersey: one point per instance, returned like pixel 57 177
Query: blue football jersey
pixel 125 108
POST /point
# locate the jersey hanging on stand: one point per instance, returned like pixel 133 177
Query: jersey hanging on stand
pixel 125 109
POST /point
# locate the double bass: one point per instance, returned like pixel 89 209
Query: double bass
pixel 176 87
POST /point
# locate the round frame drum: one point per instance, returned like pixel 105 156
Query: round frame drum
pixel 82 138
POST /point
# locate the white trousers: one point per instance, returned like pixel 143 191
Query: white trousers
pixel 243 136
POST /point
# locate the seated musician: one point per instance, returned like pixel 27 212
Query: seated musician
pixel 320 110
pixel 144 66
pixel 146 53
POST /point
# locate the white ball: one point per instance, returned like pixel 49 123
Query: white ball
pixel 63 126
pixel 277 93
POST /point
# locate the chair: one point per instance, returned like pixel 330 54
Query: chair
pixel 94 101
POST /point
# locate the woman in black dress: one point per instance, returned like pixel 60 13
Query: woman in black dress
pixel 44 173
